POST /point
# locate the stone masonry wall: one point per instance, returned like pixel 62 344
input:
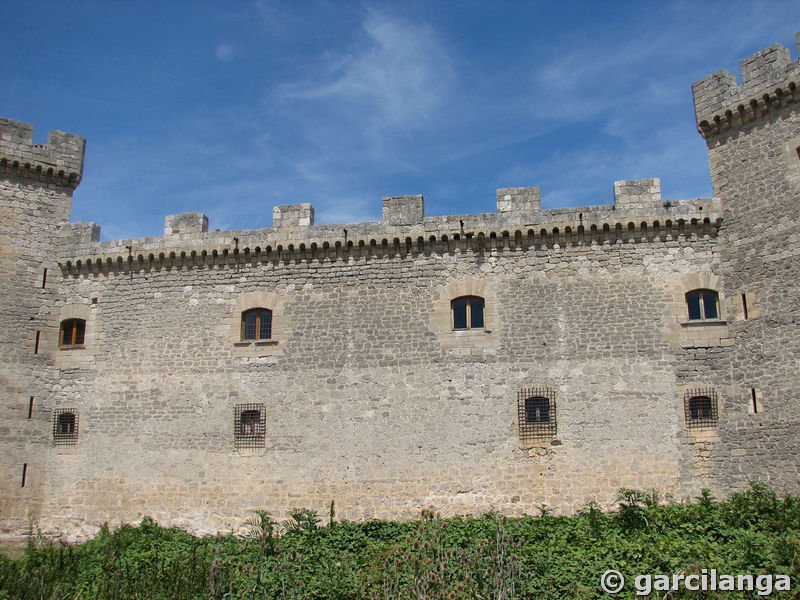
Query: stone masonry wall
pixel 36 184
pixel 368 402
pixel 755 168
pixel 371 398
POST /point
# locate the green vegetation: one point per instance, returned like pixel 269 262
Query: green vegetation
pixel 539 557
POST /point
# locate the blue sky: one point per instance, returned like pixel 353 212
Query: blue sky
pixel 229 108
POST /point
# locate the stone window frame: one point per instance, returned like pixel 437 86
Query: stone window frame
pixel 683 332
pixel 77 333
pixel 77 356
pixel 477 341
pixel 280 330
pixel 247 431
pixel 65 429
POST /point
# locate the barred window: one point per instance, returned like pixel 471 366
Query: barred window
pixel 72 333
pixel 700 408
pixel 65 426
pixel 249 425
pixel 467 312
pixel 257 324
pixel 702 305
pixel 536 412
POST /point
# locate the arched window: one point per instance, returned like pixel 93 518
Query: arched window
pixel 257 324
pixel 72 333
pixel 65 426
pixel 249 425
pixel 467 312
pixel 700 408
pixel 702 305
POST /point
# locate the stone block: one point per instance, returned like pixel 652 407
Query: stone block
pixel 523 200
pixel 185 223
pixel 637 193
pixel 403 210
pixel 292 215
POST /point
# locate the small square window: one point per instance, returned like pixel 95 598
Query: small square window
pixel 249 425
pixel 700 408
pixel 65 426
pixel 536 412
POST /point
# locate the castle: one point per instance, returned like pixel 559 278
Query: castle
pixel 470 363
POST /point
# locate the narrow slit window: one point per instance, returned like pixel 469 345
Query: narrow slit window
pixel 744 306
pixel 754 399
pixel 30 408
pixel 44 278
pixel 36 343
pixel 24 474
pixel 467 312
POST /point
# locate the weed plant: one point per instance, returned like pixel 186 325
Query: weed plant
pixel 468 558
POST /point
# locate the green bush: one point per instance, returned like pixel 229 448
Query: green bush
pixel 486 556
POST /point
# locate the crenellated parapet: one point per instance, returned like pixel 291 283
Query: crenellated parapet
pixel 638 215
pixel 770 81
pixel 59 161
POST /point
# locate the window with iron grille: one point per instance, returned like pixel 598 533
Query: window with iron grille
pixel 700 408
pixel 249 425
pixel 65 426
pixel 257 324
pixel 72 333
pixel 536 412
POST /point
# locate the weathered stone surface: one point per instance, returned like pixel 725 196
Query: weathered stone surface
pixel 372 398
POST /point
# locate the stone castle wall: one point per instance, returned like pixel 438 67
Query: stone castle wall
pixel 753 135
pixel 370 397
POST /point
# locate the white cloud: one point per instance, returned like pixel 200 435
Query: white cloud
pixel 398 78
pixel 224 52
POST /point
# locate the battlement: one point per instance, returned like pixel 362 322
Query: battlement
pixel 59 161
pixel 638 215
pixel 769 81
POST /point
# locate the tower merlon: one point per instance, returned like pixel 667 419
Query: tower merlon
pixel 185 223
pixel 403 210
pixel 60 160
pixel 637 193
pixel 769 80
pixel 75 235
pixel 523 200
pixel 292 215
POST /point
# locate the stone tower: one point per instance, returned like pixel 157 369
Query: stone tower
pixel 36 185
pixel 753 135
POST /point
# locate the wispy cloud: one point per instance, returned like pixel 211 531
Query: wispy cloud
pixel 224 52
pixel 399 77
